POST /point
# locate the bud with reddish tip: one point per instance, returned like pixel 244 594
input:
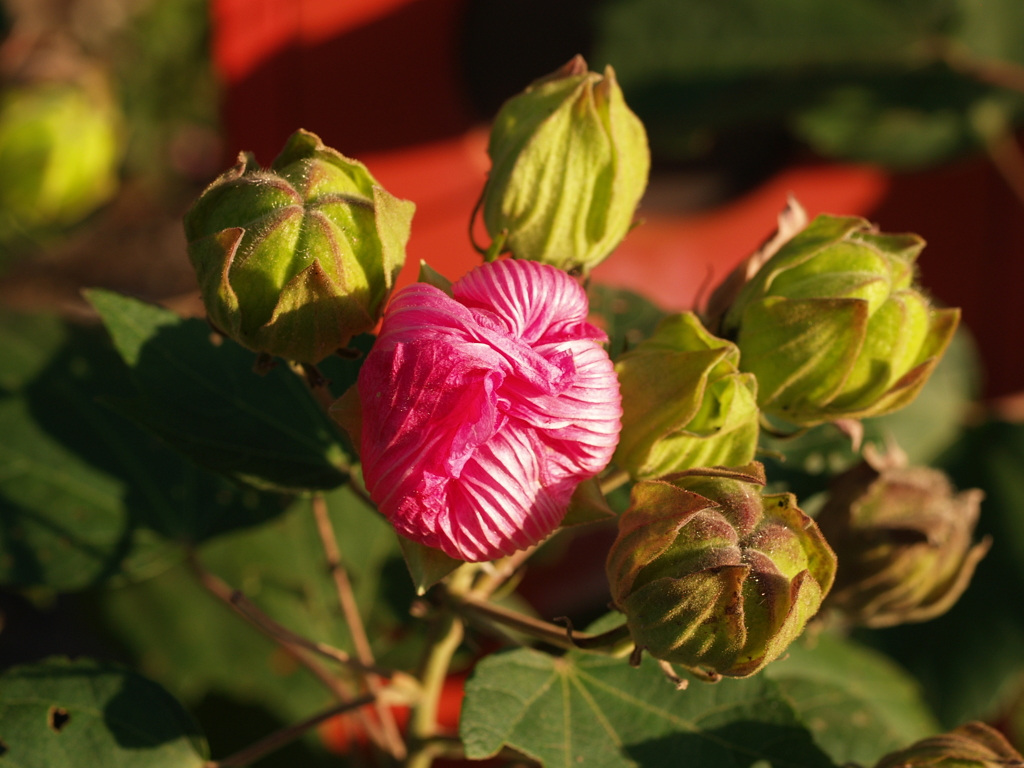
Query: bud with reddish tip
pixel 713 575
pixel 684 402
pixel 903 538
pixel 295 259
pixel 974 745
pixel 570 163
pixel 834 327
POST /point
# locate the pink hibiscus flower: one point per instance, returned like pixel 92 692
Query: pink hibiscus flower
pixel 483 412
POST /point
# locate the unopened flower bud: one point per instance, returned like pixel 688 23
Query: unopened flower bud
pixel 713 575
pixel 59 151
pixel 685 404
pixel 295 259
pixel 484 406
pixel 903 538
pixel 569 165
pixel 833 326
pixel 974 745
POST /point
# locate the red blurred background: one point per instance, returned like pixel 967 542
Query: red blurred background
pixel 395 98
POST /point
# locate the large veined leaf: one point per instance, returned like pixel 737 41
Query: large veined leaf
pixel 598 711
pixel 85 494
pixel 204 399
pixel 86 714
pixel 858 703
pixel 195 645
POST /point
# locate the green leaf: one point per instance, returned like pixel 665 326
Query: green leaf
pixel 426 565
pixel 598 711
pixel 863 80
pixel 858 704
pixel 991 31
pixel 75 713
pixel 27 341
pixel 587 505
pixel 195 645
pixel 204 399
pixel 628 318
pixel 86 494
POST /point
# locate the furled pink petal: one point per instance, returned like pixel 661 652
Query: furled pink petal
pixel 483 412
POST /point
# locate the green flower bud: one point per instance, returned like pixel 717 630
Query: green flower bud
pixel 684 402
pixel 296 259
pixel 713 575
pixel 833 327
pixel 569 165
pixel 974 745
pixel 59 151
pixel 903 538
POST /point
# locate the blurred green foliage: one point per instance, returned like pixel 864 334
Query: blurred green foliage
pixel 891 82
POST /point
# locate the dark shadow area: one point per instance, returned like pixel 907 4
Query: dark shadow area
pixel 204 399
pixel 32 632
pixel 507 44
pixel 142 715
pixel 739 744
pixel 230 726
pixel 163 490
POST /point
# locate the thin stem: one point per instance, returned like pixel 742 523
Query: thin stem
pixel 447 637
pixel 472 221
pixel 393 737
pixel 504 570
pixel 220 590
pixel 611 643
pixel 424 719
pixel 999 73
pixel 435 747
pixel 279 738
pixel 279 632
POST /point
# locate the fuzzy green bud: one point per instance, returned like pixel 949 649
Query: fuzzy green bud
pixel 569 165
pixel 833 326
pixel 903 538
pixel 684 402
pixel 974 745
pixel 295 259
pixel 59 150
pixel 712 574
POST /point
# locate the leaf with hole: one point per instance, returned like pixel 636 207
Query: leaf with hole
pixel 74 713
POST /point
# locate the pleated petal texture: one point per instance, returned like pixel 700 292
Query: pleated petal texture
pixel 482 412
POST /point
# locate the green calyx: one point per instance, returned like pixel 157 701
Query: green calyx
pixel 833 327
pixel 295 259
pixel 712 574
pixel 59 150
pixel 685 402
pixel 569 166
pixel 904 541
pixel 974 745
